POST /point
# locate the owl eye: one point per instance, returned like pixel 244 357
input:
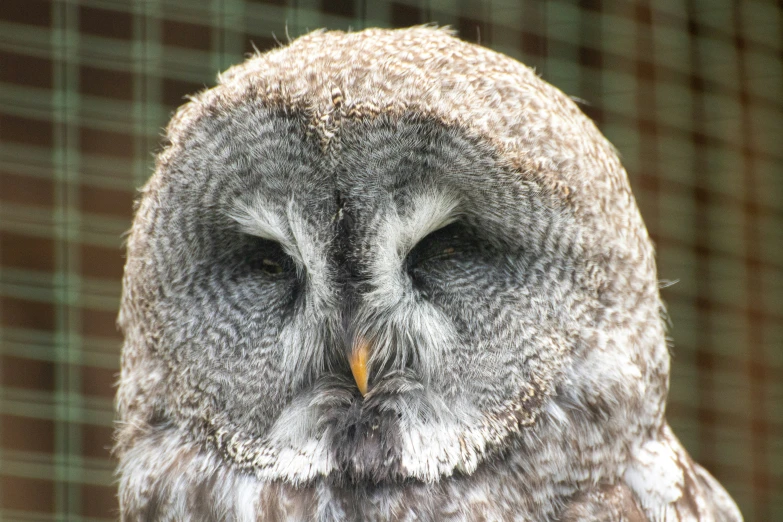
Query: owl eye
pixel 271 266
pixel 264 255
pixel 444 243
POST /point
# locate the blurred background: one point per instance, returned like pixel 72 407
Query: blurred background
pixel 690 92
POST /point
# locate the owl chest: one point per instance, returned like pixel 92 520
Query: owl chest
pixel 393 503
pixel 498 492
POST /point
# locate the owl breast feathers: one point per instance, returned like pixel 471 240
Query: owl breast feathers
pixel 389 275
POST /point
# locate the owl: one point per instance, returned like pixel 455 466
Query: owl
pixel 390 275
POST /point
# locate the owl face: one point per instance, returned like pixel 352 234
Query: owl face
pixel 323 282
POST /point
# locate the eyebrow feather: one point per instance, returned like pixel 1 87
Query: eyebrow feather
pixel 258 220
pixel 261 220
pixel 431 212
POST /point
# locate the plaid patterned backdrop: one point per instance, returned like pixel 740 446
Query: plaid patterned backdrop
pixel 690 92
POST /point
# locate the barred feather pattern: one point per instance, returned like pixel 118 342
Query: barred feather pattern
pixel 442 204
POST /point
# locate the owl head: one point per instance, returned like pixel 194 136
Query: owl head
pixel 383 257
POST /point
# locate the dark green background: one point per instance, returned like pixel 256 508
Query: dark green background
pixel 690 92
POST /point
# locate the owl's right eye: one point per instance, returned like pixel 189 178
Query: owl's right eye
pixel 271 267
pixel 268 256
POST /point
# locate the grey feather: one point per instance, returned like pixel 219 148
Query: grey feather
pixel 443 204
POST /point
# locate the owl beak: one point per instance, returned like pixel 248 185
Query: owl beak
pixel 358 361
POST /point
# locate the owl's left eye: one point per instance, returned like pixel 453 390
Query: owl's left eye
pixel 444 243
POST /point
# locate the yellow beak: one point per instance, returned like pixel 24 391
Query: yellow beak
pixel 358 361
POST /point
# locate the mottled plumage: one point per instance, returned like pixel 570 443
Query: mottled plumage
pixel 442 205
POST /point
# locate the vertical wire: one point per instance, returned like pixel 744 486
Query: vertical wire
pixel 700 194
pixel 755 325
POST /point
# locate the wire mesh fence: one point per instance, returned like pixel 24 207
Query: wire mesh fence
pixel 690 93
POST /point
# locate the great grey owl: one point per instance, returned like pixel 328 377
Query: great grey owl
pixel 389 275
